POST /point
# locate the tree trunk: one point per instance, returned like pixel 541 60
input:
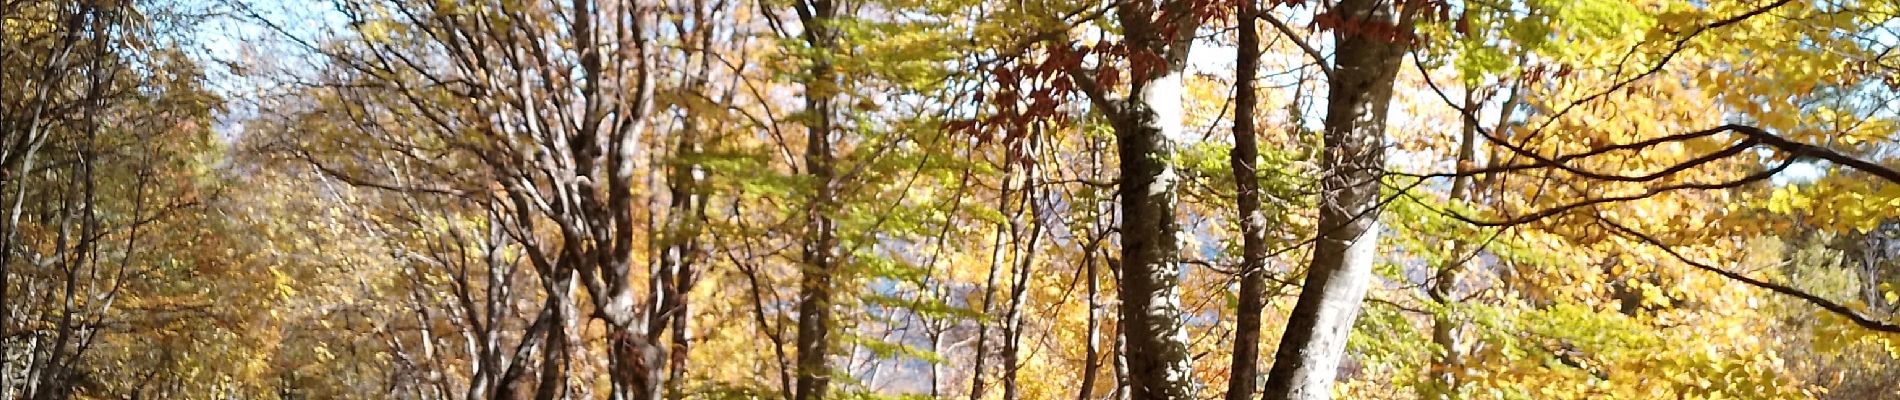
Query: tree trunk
pixel 1120 355
pixel 509 384
pixel 1151 294
pixel 1446 327
pixel 680 313
pixel 1026 257
pixel 553 379
pixel 1147 130
pixel 1253 231
pixel 999 257
pixel 1361 88
pixel 679 261
pixel 635 363
pixel 1091 352
pixel 816 286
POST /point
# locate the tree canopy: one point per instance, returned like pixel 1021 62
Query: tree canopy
pixel 950 199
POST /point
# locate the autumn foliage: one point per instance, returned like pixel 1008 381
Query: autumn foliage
pixel 1048 199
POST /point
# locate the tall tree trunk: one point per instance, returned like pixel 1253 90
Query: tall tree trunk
pixel 1152 318
pixel 999 259
pixel 1091 352
pixel 22 142
pixel 1360 86
pixel 1147 130
pixel 816 286
pixel 685 276
pixel 1253 231
pixel 1026 258
pixel 1445 326
pixel 688 192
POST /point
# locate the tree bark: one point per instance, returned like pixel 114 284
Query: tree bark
pixel 1151 293
pixel 635 364
pixel 682 258
pixel 816 286
pixel 1446 326
pixel 1091 352
pixel 1253 233
pixel 554 357
pixel 509 384
pixel 1026 258
pixel 686 217
pixel 999 257
pixel 1370 48
pixel 1147 130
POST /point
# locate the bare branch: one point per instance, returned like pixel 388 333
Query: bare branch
pixel 1831 306
pixel 1319 59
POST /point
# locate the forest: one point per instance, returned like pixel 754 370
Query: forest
pixel 949 199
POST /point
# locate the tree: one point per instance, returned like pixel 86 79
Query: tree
pixel 643 199
pixel 548 135
pixel 819 252
pixel 1373 37
pixel 1148 129
pixel 1245 159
